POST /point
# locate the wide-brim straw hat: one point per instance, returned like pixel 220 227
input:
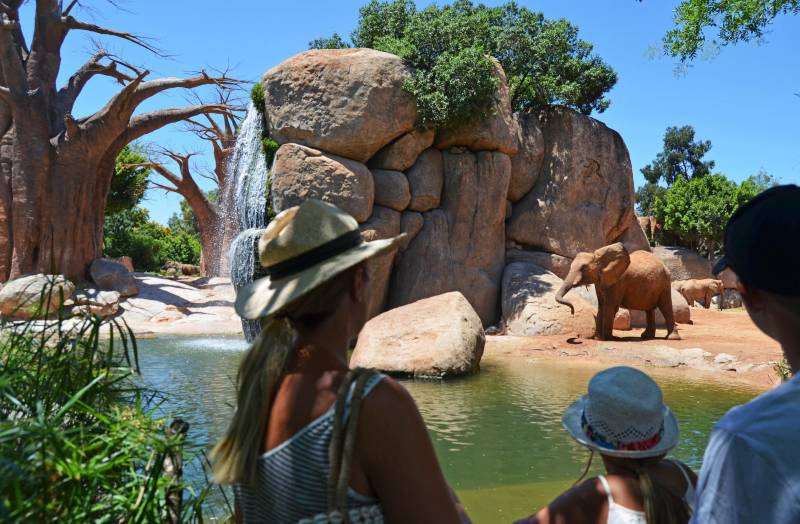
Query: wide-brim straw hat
pixel 303 247
pixel 623 415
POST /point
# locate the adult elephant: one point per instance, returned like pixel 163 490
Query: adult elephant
pixel 700 289
pixel 638 280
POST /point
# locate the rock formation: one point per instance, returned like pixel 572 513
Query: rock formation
pixel 436 337
pixel 683 263
pixel 34 296
pixel 112 276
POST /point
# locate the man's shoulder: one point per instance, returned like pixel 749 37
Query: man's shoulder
pixel 772 415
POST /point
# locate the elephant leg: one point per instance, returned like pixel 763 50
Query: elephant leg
pixel 665 306
pixel 707 299
pixel 608 321
pixel 650 329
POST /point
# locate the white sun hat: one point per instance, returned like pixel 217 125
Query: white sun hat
pixel 303 247
pixel 623 415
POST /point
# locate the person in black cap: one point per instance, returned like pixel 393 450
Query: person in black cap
pixel 751 469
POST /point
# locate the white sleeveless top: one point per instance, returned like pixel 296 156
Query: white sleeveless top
pixel 621 515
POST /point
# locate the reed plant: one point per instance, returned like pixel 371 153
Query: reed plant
pixel 80 438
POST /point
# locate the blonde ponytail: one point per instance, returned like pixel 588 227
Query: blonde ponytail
pixel 262 368
pixel 660 506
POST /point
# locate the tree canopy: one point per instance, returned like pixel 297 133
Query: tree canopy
pixel 729 22
pixel 682 157
pixel 129 181
pixel 450 48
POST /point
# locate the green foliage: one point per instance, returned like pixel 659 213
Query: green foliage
pixel 79 440
pixel 128 183
pixel 334 42
pixel 682 157
pixel 646 197
pixel 734 22
pixel 257 96
pixel 544 60
pixel 783 369
pixel 270 147
pixel 180 247
pixel 185 222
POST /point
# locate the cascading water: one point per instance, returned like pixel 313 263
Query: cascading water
pixel 248 171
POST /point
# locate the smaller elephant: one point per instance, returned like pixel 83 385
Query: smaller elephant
pixel 699 289
pixel 649 225
pixel 637 280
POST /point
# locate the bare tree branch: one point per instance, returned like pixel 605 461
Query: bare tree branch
pixel 143 124
pixel 153 87
pixel 70 92
pixel 10 60
pixel 69 7
pixel 71 23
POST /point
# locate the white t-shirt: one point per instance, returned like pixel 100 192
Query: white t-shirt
pixel 751 469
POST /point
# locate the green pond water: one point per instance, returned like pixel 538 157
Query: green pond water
pixel 498 434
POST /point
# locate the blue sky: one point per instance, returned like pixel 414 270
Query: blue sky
pixel 743 100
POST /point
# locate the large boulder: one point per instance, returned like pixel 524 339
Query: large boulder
pixel 384 223
pixel 527 163
pixel 112 276
pixel 634 238
pixel 551 262
pixel 126 261
pixel 583 198
pixel 425 179
pixel 391 189
pixel 34 296
pixel 495 132
pixel 348 102
pixel 300 173
pixel 683 263
pixel 530 309
pixel 462 244
pixel 403 152
pixel 439 337
pixel 680 309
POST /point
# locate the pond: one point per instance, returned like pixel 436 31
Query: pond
pixel 498 434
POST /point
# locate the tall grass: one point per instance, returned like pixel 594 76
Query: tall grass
pixel 79 437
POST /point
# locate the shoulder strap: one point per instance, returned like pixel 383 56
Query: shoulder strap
pixel 607 488
pixel 344 438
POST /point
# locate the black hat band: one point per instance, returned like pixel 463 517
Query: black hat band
pixel 312 257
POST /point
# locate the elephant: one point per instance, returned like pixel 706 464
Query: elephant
pixel 637 280
pixel 649 225
pixel 699 289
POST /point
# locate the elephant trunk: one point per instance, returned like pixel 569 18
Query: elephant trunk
pixel 569 283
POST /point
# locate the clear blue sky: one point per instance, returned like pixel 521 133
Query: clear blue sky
pixel 743 100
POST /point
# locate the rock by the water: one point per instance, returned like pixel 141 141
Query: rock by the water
pixel 410 224
pixel 112 276
pixel 126 261
pixel 384 223
pixel 495 132
pixel 347 102
pixel 530 309
pixel 94 302
pixel 680 310
pixel 553 263
pixel 425 179
pixel 683 263
pixel 439 337
pixel 583 198
pixel 403 152
pixel 34 296
pixel 462 244
pixel 527 163
pixel 300 173
pixel 391 189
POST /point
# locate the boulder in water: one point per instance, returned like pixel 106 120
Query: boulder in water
pixel 347 102
pixel 300 173
pixel 436 337
pixel 34 296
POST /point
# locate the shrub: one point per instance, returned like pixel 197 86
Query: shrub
pixel 180 247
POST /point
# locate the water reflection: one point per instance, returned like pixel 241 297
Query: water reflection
pixel 498 434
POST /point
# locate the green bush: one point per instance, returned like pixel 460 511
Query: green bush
pixel 257 96
pixel 180 247
pixel 79 441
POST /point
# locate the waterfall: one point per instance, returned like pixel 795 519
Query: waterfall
pixel 247 169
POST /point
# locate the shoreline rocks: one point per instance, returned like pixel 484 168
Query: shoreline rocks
pixel 34 296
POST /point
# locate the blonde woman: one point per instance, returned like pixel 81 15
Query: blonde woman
pixel 277 451
pixel 624 419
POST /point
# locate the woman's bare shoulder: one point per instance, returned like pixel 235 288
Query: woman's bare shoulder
pixel 582 503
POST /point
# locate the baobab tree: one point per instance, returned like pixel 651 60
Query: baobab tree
pixel 212 220
pixel 56 169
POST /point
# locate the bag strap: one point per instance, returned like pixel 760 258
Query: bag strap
pixel 344 438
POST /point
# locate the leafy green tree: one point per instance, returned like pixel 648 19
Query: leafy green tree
pixel 732 21
pixel 181 247
pixel 132 233
pixel 449 46
pixel 129 182
pixel 334 42
pixel 646 197
pixel 682 157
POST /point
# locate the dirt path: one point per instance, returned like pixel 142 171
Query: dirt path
pixel 725 345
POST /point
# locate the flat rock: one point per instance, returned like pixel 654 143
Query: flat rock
pixel 437 337
pixel 403 152
pixel 109 275
pixel 300 173
pixel 425 179
pixel 391 189
pixel 583 198
pixel 347 102
pixel 34 296
pixel 527 163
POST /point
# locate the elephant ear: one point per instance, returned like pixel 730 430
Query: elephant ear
pixel 614 260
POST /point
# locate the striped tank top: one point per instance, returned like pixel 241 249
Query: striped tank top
pixel 292 481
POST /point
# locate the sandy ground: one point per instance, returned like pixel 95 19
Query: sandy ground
pixel 723 345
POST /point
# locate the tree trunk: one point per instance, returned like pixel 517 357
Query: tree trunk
pixel 208 223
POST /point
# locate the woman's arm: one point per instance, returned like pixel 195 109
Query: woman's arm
pixel 400 462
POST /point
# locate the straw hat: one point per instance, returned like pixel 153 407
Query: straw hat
pixel 303 247
pixel 623 415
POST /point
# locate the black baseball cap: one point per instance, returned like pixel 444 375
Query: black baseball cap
pixel 762 242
